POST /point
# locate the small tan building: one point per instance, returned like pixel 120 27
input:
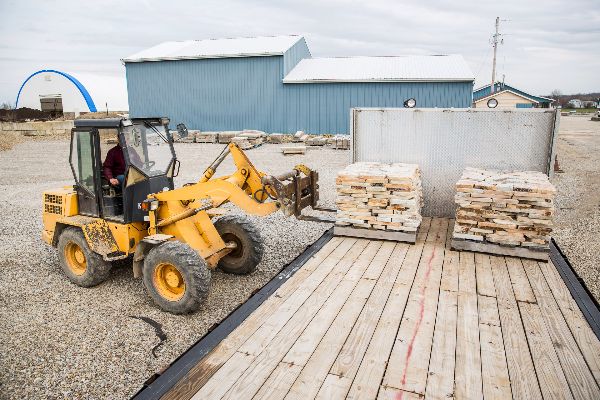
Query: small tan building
pixel 507 97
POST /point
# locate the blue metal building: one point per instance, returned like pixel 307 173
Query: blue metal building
pixel 274 85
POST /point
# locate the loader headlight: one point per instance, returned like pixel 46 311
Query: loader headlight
pixel 148 205
pixel 410 103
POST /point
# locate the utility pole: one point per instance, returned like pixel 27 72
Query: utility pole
pixel 495 44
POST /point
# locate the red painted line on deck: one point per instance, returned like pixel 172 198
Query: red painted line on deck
pixel 417 326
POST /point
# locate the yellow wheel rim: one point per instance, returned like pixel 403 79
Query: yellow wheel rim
pixel 75 258
pixel 168 281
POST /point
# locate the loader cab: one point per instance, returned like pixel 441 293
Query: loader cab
pixel 150 164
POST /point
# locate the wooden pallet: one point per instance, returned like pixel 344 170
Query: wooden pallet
pixel 397 236
pixel 492 248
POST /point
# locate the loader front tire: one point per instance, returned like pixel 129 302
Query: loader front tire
pixel 249 245
pixel 80 264
pixel 176 277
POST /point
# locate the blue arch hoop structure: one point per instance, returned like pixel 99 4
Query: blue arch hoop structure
pixel 74 81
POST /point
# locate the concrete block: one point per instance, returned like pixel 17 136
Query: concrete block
pixel 294 150
pixel 226 136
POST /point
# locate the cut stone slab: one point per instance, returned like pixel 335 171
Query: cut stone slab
pixel 294 150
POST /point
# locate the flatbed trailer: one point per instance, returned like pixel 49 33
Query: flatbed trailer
pixel 365 319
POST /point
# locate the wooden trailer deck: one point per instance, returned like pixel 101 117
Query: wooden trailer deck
pixel 366 319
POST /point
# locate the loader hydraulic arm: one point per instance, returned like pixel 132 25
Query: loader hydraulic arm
pixel 249 188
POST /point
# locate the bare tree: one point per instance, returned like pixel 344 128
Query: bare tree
pixel 5 106
pixel 556 94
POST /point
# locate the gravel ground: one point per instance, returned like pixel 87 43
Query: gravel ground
pixel 578 200
pixel 63 341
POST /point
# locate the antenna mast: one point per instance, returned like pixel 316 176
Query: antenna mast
pixel 495 38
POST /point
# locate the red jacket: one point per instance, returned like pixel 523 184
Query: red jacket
pixel 114 164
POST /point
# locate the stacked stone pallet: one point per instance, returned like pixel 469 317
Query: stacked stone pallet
pixel 339 142
pixel 505 208
pixel 207 137
pixel 379 196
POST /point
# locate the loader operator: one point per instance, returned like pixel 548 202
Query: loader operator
pixel 113 168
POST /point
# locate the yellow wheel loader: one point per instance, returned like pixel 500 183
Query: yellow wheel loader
pixel 172 235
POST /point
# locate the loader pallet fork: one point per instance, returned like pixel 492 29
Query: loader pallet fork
pixel 170 234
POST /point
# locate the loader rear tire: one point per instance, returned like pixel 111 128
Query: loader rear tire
pixel 176 277
pixel 80 264
pixel 249 251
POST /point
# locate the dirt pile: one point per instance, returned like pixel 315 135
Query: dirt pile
pixel 23 114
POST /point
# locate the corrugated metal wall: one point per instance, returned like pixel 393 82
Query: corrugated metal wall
pixel 248 93
pixel 293 56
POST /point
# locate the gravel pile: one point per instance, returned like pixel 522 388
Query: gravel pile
pixel 63 341
pixel 577 220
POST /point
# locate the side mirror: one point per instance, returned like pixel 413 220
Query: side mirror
pixel 182 130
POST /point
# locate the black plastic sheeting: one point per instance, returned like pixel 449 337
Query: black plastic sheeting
pixel 158 385
pixel 582 296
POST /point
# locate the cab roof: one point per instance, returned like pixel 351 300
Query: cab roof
pixel 107 122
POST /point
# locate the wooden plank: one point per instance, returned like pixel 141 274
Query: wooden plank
pixel 520 283
pixel 467 282
pixel 388 393
pixel 494 371
pixel 259 340
pixel 251 381
pixel 315 371
pixel 580 378
pixel 278 383
pixel 468 379
pixel 372 368
pixel 449 233
pixel 334 387
pixel 235 366
pixel 398 236
pixel 553 382
pixel 488 310
pixel 485 279
pixel 491 248
pixel 583 334
pixel 284 338
pixel 468 384
pixel 524 383
pixel 440 381
pixel 450 271
pixel 353 350
pixel 409 362
pixel 201 372
pixel 310 338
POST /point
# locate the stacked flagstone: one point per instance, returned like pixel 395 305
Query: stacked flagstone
pixel 379 196
pixel 505 208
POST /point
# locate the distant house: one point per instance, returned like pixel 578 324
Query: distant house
pixel 507 96
pixel 590 104
pixel 575 103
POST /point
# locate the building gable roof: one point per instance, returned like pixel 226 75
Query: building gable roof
pixel 216 48
pixel 504 91
pixel 485 92
pixel 440 68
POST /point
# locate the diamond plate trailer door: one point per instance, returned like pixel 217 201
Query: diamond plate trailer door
pixel 445 141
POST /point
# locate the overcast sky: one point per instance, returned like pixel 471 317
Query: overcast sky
pixel 547 44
